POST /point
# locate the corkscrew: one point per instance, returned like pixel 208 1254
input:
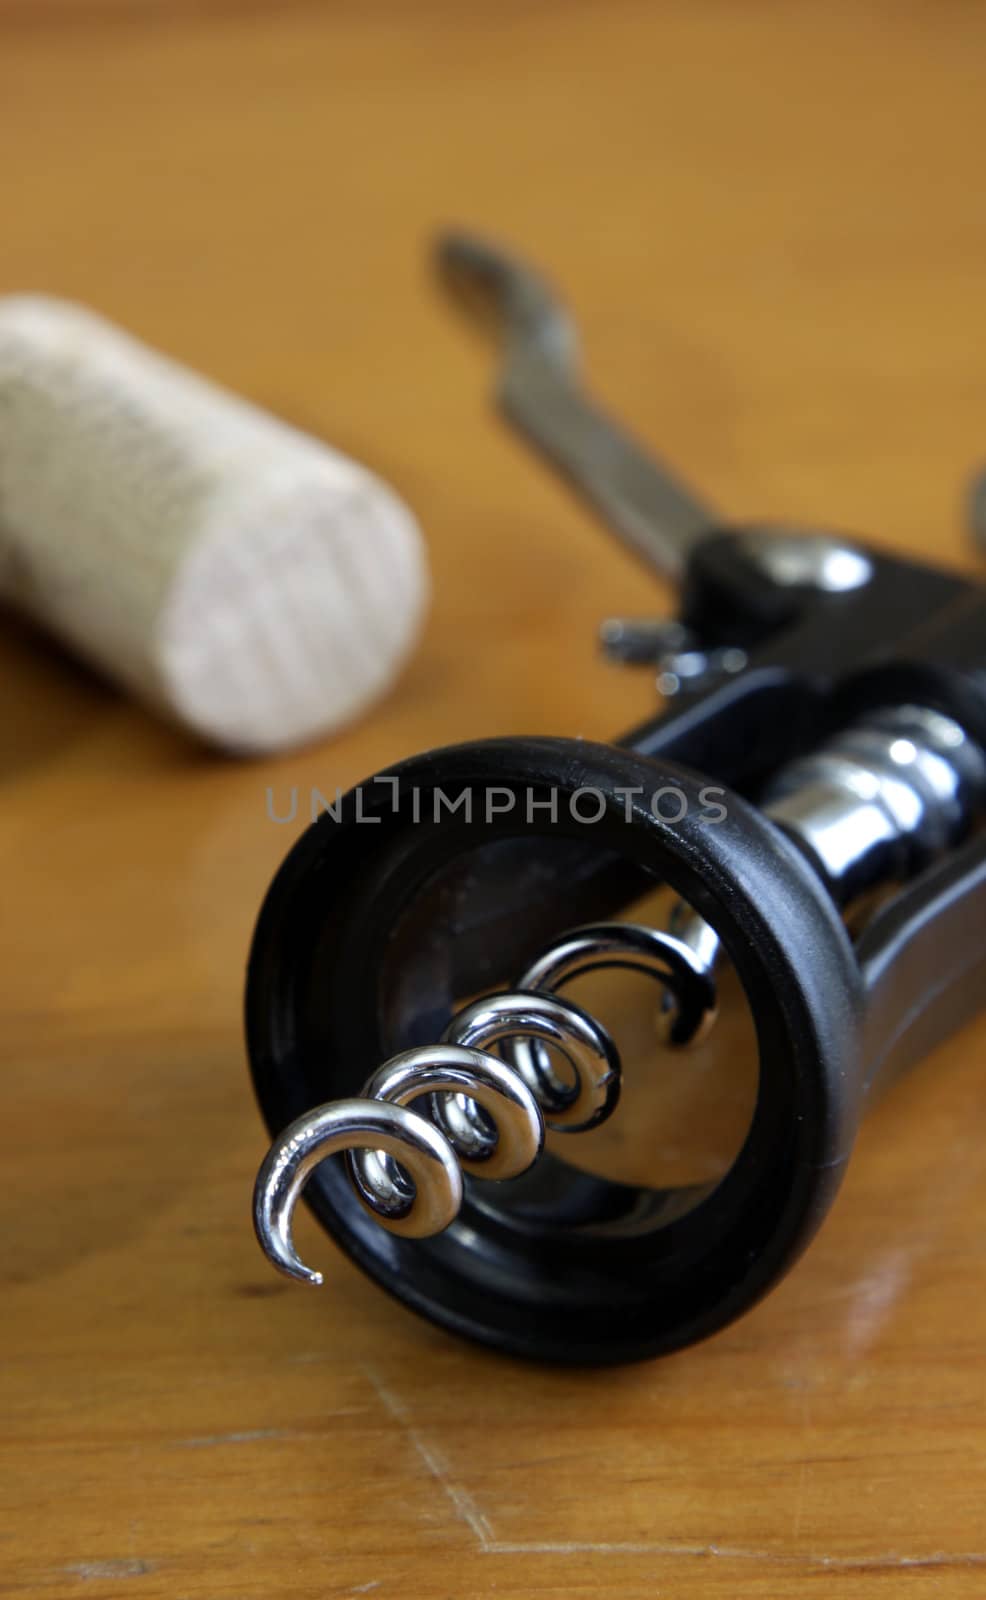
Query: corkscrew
pixel 813 796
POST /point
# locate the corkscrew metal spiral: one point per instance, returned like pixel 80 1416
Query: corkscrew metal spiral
pixel 488 1112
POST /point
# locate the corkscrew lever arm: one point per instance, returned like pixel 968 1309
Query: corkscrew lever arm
pixel 638 497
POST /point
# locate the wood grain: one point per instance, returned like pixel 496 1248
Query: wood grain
pixel 770 220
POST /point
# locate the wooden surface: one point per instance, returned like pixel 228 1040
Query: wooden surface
pixel 770 220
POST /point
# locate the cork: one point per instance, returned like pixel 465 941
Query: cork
pixel 238 576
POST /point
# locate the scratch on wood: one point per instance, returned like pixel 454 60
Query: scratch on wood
pixel 209 1439
pixel 892 1560
pixel 580 1547
pixel 468 1511
pixel 89 1571
pixel 462 1502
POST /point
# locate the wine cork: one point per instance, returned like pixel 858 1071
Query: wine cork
pixel 251 583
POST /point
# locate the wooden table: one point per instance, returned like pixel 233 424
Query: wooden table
pixel 771 222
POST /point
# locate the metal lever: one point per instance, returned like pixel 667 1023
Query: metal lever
pixel 638 497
